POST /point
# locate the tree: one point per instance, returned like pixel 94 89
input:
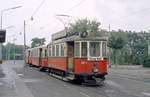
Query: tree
pixel 146 62
pixel 12 51
pixel 37 42
pixel 116 42
pixel 139 48
pixel 82 25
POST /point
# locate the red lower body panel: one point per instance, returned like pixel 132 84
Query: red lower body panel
pixel 44 62
pixel 85 66
pixel 36 61
pixel 58 63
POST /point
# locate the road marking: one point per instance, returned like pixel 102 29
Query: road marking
pixel 84 94
pixel 146 94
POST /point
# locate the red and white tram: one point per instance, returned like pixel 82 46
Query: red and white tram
pixel 80 58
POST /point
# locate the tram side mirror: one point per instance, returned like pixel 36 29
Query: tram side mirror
pixel 2 36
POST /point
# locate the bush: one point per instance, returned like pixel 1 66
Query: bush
pixel 146 62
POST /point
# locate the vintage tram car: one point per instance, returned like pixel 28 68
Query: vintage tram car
pixel 80 57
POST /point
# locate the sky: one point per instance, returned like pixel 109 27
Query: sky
pixel 131 15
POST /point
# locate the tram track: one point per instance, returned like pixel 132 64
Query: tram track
pixel 82 89
pixel 125 76
pixel 105 90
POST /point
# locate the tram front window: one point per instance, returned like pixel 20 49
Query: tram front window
pixel 94 49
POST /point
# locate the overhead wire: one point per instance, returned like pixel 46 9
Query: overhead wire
pixel 78 4
pixel 38 8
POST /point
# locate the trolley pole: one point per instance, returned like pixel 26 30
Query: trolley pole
pixel 24 43
pixel 109 48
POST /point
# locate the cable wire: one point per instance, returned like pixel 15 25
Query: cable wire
pixel 78 4
pixel 38 8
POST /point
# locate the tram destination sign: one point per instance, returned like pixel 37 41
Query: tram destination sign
pixel 64 34
pixel 2 36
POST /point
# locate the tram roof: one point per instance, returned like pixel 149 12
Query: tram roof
pixel 42 46
pixel 78 38
pixel 90 38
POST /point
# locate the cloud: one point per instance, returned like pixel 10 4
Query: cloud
pixel 124 14
pixel 120 14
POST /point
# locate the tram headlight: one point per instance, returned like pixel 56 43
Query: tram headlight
pixel 95 69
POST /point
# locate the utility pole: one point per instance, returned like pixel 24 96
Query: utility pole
pixel 24 43
pixel 109 48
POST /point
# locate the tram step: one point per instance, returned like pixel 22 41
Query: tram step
pixel 70 77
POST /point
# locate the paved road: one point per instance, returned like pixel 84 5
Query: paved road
pixel 28 82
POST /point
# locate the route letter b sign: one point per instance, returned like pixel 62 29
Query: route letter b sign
pixel 2 36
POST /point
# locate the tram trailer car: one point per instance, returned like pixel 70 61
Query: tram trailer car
pixel 37 56
pixel 82 59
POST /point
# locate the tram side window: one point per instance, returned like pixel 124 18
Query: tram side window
pixel 62 50
pixel 45 53
pixel 53 50
pixel 104 49
pixel 37 53
pixel 31 54
pixel 57 50
pixel 77 49
pixel 50 53
pixel 94 49
pixel 84 49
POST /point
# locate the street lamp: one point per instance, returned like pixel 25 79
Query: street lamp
pixel 1 27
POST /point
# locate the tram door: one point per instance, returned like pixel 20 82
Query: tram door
pixel 70 56
pixel 40 57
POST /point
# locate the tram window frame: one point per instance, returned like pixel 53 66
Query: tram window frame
pixel 77 49
pixel 38 53
pixel 83 49
pixel 53 50
pixel 33 53
pixel 104 49
pixel 45 52
pixel 50 51
pixel 62 50
pixel 57 50
pixel 99 53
